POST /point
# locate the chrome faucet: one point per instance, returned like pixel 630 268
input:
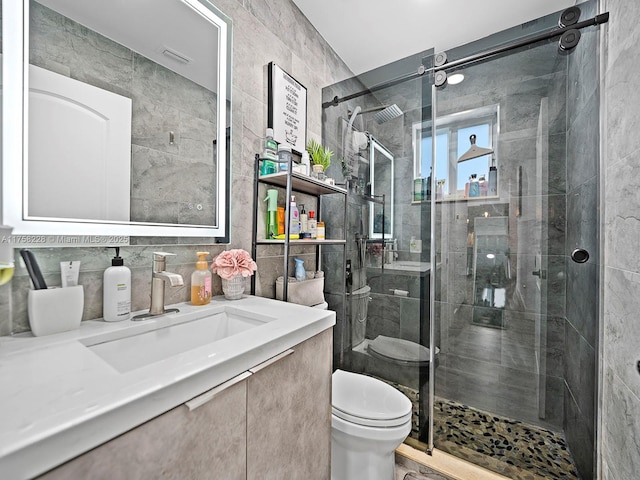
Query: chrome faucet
pixel 158 279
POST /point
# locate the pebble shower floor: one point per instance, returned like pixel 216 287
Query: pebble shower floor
pixel 511 448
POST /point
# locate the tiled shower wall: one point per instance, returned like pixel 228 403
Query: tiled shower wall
pixel 258 39
pixel 619 405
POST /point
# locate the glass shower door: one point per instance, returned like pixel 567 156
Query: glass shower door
pixel 499 246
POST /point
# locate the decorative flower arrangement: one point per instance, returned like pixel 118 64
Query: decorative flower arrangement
pixel 232 263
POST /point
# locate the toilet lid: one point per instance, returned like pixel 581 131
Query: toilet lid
pixel 397 349
pixel 367 401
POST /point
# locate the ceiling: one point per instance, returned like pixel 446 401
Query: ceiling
pixel 369 33
pixel 172 34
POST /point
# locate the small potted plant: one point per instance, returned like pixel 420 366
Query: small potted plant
pixel 320 158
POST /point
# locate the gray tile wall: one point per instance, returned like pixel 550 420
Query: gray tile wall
pixel 263 32
pixel 620 397
pixel 580 370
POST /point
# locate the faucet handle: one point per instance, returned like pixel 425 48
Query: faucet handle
pixel 160 256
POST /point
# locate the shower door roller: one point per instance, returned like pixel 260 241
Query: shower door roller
pixel 569 39
pixel 440 78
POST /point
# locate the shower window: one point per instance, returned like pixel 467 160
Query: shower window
pixel 453 134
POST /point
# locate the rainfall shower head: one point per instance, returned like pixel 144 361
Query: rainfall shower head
pixel 388 113
pixel 384 113
pixel 474 151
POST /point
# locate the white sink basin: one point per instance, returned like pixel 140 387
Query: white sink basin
pixel 138 349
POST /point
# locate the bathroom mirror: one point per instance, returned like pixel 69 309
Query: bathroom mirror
pixel 491 270
pixel 381 181
pixel 123 116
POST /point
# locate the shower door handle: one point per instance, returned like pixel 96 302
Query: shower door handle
pixel 540 273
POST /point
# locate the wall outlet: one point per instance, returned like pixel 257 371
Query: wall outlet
pixel 415 246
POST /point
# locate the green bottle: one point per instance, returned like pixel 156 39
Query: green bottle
pixel 272 213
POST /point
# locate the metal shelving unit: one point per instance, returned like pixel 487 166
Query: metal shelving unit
pixel 295 182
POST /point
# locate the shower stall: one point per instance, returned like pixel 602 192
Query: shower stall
pixel 472 278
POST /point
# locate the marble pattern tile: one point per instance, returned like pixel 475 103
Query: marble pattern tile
pixel 621 435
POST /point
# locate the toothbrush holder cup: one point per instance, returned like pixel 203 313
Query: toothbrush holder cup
pixel 55 310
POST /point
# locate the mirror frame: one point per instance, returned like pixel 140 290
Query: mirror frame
pixel 15 63
pixel 376 146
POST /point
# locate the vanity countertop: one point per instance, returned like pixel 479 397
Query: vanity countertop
pixel 60 399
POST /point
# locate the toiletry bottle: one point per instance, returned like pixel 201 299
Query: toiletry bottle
pixel 306 162
pixel 201 281
pixel 313 224
pixel 280 220
pixel 484 186
pixel 284 157
pixel 272 213
pixel 269 158
pixel 474 186
pixel 417 189
pixel 116 300
pixel 301 275
pixel 493 181
pixel 304 221
pixel 270 146
pixel 320 231
pixel 294 217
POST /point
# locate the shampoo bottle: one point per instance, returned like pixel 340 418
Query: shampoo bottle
pixel 116 301
pixel 304 221
pixel 294 217
pixel 474 186
pixel 493 181
pixel 201 281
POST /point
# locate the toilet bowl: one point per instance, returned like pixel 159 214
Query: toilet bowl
pixel 369 420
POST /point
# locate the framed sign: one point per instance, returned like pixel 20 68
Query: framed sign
pixel 287 111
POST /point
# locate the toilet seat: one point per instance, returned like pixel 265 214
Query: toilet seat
pixel 366 401
pixel 400 351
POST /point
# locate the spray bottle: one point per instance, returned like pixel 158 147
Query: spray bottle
pixel 300 273
pixel 272 213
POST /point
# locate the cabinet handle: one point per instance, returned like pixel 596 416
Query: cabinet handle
pixel 208 395
pixel 266 363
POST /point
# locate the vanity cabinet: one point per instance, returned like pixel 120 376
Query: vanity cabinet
pixel 272 422
pixel 289 414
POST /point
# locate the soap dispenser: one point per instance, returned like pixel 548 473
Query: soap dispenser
pixel 201 281
pixel 116 300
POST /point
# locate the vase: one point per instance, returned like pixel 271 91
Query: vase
pixel 318 172
pixel 233 287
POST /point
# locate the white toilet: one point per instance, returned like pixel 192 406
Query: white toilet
pixel 369 420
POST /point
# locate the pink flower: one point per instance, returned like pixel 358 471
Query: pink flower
pixel 233 262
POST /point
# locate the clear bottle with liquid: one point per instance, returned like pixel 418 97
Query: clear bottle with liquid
pixel 201 281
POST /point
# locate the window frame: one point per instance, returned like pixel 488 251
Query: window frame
pixel 451 124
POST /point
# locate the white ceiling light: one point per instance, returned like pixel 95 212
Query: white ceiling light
pixel 455 79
